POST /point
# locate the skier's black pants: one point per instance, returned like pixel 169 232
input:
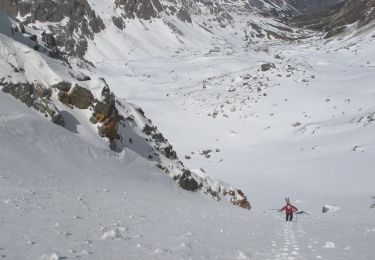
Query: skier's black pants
pixel 289 216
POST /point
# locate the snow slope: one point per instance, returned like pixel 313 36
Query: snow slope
pixel 59 202
pixel 303 129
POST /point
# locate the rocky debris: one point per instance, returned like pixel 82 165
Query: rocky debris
pixel 367 119
pixel 372 205
pixel 149 130
pixel 80 97
pixel 187 157
pixel 267 66
pixel 187 182
pixel 37 96
pixel 296 124
pixel 206 153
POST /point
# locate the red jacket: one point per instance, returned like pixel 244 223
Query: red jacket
pixel 289 208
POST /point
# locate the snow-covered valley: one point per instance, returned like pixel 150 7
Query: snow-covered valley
pixel 275 118
pixel 303 126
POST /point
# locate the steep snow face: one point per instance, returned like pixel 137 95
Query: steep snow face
pixel 62 197
pixel 88 108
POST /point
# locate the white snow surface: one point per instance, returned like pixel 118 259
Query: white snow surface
pixel 303 130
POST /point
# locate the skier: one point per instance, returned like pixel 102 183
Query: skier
pixel 289 209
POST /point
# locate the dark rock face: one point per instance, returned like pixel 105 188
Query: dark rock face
pixel 81 18
pixel 118 22
pixel 169 152
pixel 22 91
pixel 50 42
pixel 80 97
pixel 334 20
pixel 187 182
pixel 312 6
pixel 37 96
pixel 184 16
pixel 144 9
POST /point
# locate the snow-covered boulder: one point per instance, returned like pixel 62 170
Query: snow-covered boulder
pixel 330 208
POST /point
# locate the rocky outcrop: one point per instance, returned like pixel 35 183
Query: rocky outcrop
pixel 50 42
pixel 71 36
pixel 187 182
pixel 35 95
pixel 22 91
pixel 238 198
pixel 144 9
pixel 106 113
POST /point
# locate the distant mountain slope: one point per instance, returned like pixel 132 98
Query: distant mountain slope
pixel 343 17
pixel 175 25
pixel 312 6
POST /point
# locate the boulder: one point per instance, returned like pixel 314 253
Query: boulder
pixel 267 66
pixel 169 152
pixel 80 97
pixel 187 182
